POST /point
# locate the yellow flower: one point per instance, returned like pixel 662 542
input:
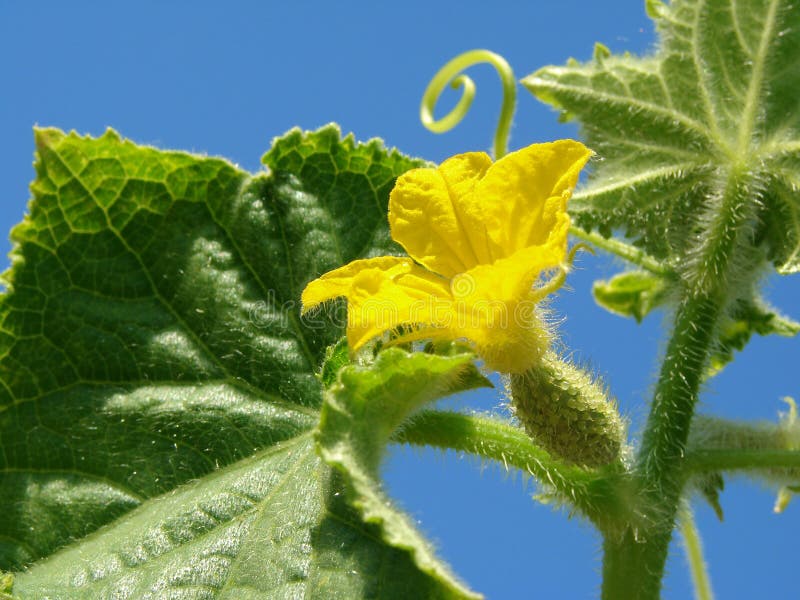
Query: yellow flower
pixel 480 234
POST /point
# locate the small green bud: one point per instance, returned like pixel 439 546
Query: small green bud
pixel 568 412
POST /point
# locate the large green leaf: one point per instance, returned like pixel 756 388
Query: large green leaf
pixel 158 385
pixel 714 108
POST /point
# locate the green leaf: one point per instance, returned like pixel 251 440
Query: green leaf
pixel 716 104
pixel 359 416
pixel 6 586
pixel 631 294
pixel 158 388
pixel 336 357
pixel 270 526
pixel 711 485
pixel 747 318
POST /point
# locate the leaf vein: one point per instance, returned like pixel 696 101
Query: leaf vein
pixel 86 475
pixel 756 81
pixel 632 103
pixel 701 72
pixel 737 28
pixel 628 182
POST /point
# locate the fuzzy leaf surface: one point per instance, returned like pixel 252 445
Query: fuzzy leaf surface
pixel 157 385
pixel 361 412
pixel 716 102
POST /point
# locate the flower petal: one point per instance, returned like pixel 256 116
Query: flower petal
pixel 509 278
pixel 380 301
pixel 497 311
pixel 523 196
pixel 338 282
pixel 426 216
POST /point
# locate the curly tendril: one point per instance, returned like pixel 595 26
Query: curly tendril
pixel 451 73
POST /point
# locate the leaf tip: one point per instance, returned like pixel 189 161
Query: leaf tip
pixel 655 9
pixel 601 52
pixel 47 137
pixel 111 134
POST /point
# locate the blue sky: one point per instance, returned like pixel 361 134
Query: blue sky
pixel 225 79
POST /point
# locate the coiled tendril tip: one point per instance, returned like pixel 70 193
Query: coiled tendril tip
pixel 452 73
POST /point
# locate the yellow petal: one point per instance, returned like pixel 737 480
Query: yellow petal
pixel 497 311
pixel 336 283
pixel 380 301
pixel 508 278
pixel 427 219
pixel 524 195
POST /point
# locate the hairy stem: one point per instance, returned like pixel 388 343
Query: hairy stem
pixel 632 254
pixel 593 492
pixel 708 286
pixel 621 564
pixel 767 450
pixel 639 570
pixel 738 459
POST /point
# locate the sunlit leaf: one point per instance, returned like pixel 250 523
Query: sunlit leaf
pixel 159 388
pixel 360 413
pixel 712 112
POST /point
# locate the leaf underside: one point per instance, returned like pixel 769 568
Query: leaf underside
pixel 158 385
pixel 361 412
pixel 748 318
pixel 716 102
pixel 631 294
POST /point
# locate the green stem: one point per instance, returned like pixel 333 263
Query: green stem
pixel 451 73
pixel 737 459
pixel 660 461
pixel 694 554
pixel 720 445
pixel 621 564
pixel 594 492
pixel 625 251
pixel 636 572
pixel 676 393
